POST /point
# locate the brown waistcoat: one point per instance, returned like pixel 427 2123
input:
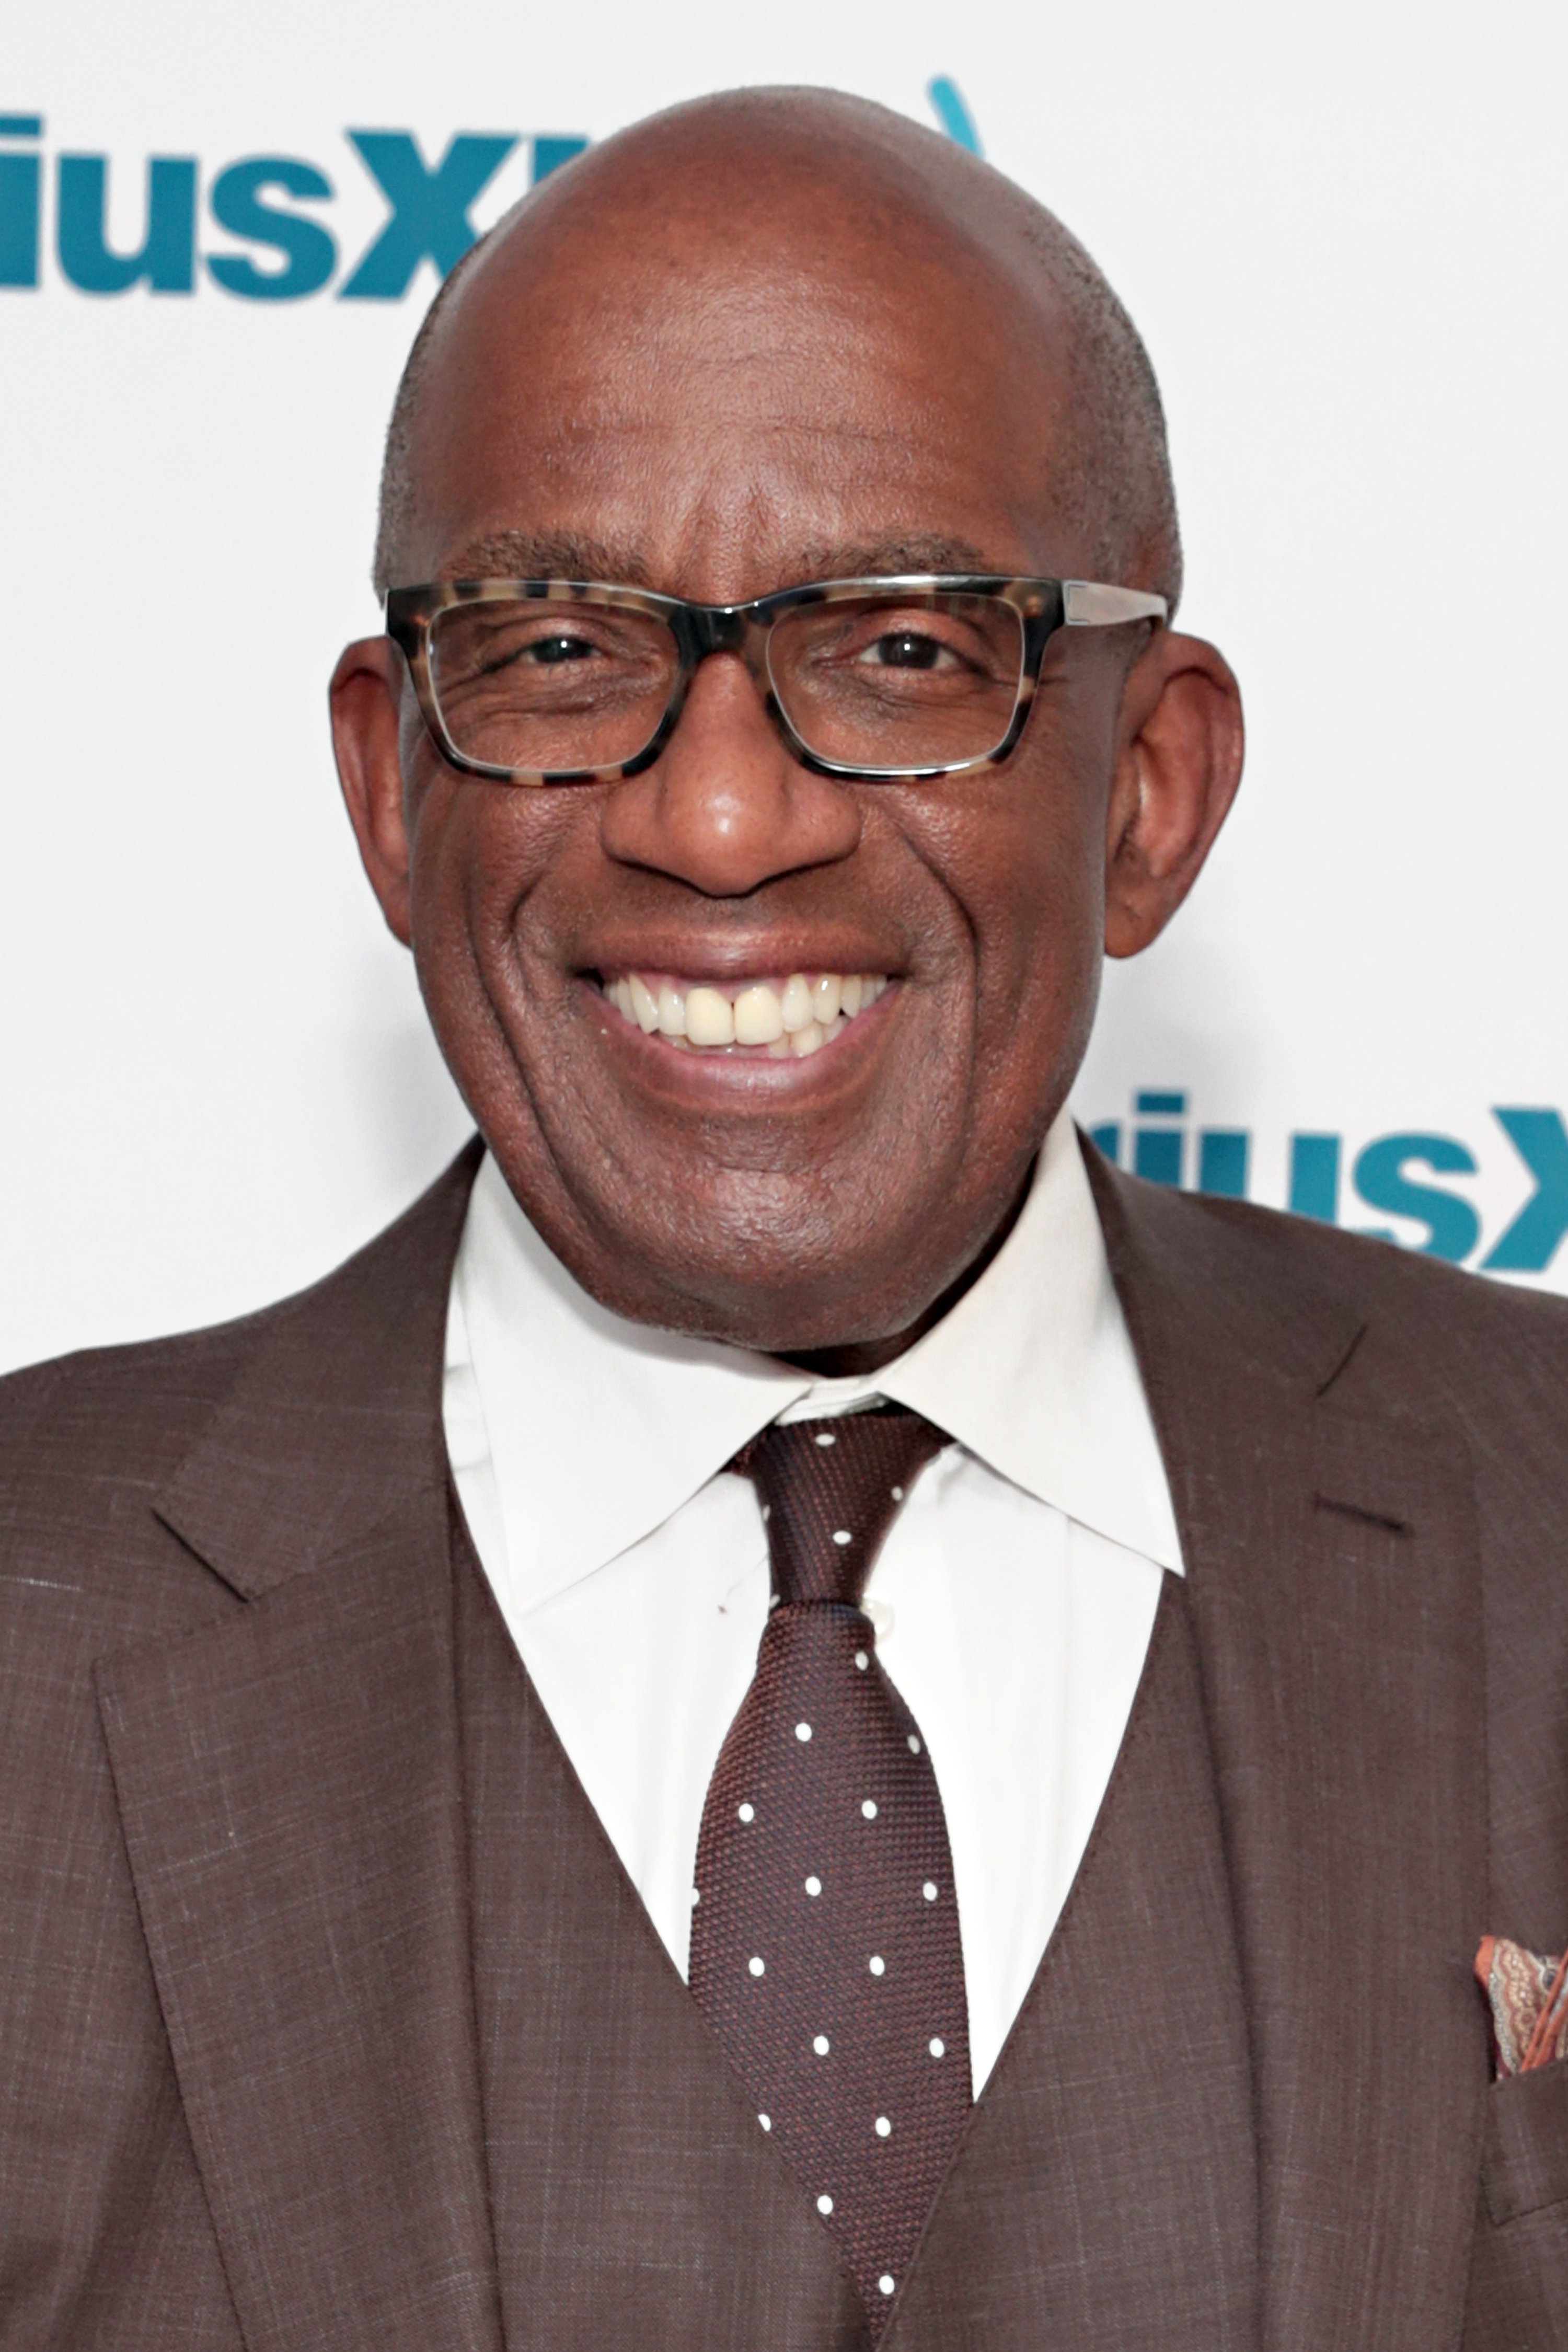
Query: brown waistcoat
pixel 637 2207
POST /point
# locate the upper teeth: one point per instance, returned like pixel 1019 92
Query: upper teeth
pixel 792 1016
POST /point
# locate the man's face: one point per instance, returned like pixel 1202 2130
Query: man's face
pixel 717 418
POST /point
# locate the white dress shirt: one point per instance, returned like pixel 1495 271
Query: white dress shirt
pixel 1012 1598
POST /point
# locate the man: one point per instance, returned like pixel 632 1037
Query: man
pixel 793 1715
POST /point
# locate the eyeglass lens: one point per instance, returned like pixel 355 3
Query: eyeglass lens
pixel 898 682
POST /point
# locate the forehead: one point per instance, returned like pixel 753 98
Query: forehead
pixel 727 409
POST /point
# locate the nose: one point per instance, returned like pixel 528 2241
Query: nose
pixel 724 808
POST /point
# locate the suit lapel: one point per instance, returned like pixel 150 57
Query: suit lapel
pixel 336 1416
pixel 1334 1579
pixel 289 1784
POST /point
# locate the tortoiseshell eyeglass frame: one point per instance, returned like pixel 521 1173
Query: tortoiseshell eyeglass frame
pixel 1043 606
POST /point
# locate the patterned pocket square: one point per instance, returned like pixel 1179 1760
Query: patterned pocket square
pixel 1529 2004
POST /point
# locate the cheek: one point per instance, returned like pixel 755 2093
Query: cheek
pixel 1024 863
pixel 484 860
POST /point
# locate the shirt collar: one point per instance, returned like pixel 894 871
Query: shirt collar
pixel 598 1429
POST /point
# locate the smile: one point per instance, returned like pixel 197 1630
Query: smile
pixel 774 1017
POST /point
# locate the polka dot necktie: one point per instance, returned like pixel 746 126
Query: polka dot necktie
pixel 825 1945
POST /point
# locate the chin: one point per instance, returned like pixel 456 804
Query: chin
pixel 777 1289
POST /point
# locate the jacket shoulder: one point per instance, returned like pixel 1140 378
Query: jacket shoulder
pixel 89 1441
pixel 1389 1281
pixel 1371 1326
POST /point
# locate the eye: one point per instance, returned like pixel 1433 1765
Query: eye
pixel 907 649
pixel 548 651
pixel 507 651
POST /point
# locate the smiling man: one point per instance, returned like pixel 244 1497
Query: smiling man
pixel 794 1715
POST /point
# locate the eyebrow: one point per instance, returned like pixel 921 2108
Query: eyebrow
pixel 888 557
pixel 548 555
pixel 532 555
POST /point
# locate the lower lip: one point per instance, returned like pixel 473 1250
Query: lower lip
pixel 728 1072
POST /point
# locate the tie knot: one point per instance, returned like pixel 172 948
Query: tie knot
pixel 830 1490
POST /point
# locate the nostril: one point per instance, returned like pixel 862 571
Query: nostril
pixel 725 813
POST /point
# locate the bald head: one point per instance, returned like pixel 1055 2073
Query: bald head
pixel 759 206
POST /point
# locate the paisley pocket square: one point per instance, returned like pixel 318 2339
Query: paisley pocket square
pixel 1529 1999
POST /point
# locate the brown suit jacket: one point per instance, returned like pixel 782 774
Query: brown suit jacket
pixel 257 1979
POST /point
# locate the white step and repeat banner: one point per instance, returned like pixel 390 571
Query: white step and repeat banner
pixel 1342 231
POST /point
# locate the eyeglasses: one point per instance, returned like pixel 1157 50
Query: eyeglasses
pixel 567 682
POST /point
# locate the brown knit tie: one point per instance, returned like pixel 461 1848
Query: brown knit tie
pixel 825 1943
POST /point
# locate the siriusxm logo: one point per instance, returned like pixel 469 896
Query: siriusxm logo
pixel 269 204
pixel 1390 1175
pixel 271 207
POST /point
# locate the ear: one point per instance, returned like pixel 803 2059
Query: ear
pixel 365 696
pixel 1179 743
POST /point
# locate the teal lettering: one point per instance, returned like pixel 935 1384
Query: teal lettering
pixel 550 153
pixel 18 220
pixel 1222 1161
pixel 19 203
pixel 1157 1154
pixel 166 259
pixel 429 208
pixel 1453 1228
pixel 1314 1187
pixel 309 253
pixel 1530 1243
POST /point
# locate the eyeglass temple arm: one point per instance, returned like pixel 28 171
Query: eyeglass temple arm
pixel 1089 605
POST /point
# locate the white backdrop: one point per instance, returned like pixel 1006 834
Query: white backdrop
pixel 1343 233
